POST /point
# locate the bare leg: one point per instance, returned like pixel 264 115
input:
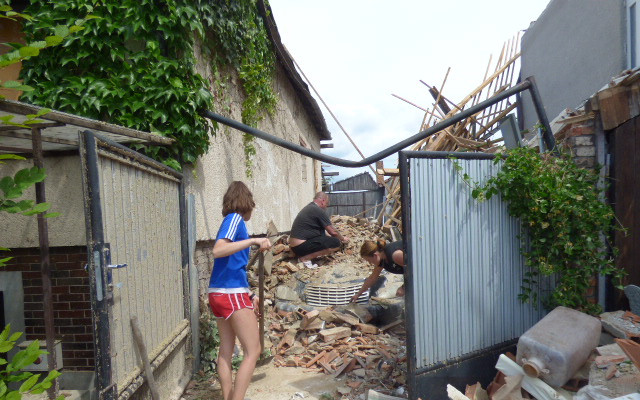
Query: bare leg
pixel 320 253
pixel 245 325
pixel 225 354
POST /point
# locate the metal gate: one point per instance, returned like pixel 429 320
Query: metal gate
pixel 466 272
pixel 135 219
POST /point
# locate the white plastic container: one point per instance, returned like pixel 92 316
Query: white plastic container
pixel 558 345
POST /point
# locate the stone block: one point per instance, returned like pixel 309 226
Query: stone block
pixel 585 151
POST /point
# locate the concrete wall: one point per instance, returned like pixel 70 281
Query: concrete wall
pixel 572 50
pixel 63 188
pixel 283 182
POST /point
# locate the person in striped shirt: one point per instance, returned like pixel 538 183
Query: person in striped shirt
pixel 230 299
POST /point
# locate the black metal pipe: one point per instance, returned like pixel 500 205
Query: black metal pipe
pixel 526 84
pixel 97 262
pixel 547 135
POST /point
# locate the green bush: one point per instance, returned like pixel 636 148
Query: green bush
pixel 567 221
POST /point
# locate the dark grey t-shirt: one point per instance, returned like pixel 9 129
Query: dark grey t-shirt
pixel 389 264
pixel 310 222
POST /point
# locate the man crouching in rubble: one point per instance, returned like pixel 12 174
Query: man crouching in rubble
pixel 308 239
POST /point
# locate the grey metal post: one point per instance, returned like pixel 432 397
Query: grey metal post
pixel 194 289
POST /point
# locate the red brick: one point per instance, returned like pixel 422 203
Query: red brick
pixel 83 338
pixel 72 329
pixel 79 289
pixel 61 306
pixel 58 258
pixel 66 266
pixel 71 297
pixel 59 274
pixel 28 275
pixel 80 258
pixel 72 314
pixel 60 290
pixel 32 290
pixel 27 259
pixel 33 298
pixel 80 273
pixel 33 306
pixel 74 346
pixel 82 321
pixel 84 354
pixel 69 281
pixel 34 314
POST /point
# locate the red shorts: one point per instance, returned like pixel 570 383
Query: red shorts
pixel 224 304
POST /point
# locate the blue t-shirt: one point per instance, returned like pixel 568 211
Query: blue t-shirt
pixel 231 271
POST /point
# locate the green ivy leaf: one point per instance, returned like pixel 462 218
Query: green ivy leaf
pixel 28 51
pixel 28 384
pixel 37 209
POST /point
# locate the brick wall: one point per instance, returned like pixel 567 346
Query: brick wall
pixel 71 301
pixel 579 138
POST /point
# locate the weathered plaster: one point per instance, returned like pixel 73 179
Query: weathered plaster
pixel 63 189
pixel 281 185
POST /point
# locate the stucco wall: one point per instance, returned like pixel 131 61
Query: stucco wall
pixel 572 50
pixel 283 182
pixel 63 189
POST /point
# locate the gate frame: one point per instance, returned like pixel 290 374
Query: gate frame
pixel 472 361
pixel 99 256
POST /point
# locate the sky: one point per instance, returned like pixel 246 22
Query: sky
pixel 357 53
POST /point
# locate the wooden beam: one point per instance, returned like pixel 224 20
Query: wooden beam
pixel 16 107
pixel 326 145
pixel 388 171
pixel 30 126
pixel 24 135
pixel 334 173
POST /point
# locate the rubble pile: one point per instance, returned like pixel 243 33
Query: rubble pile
pixel 341 340
pixel 340 344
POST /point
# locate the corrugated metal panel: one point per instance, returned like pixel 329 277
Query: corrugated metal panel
pixel 142 226
pixel 466 263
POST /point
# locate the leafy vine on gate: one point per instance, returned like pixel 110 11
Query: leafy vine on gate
pixel 135 66
pixel 568 224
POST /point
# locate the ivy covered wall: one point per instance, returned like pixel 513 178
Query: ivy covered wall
pixel 133 65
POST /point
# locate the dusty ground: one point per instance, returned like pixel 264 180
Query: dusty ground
pixel 273 383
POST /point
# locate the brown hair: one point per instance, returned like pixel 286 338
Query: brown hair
pixel 238 198
pixel 369 247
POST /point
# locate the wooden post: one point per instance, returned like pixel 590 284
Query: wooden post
pixel 261 297
pixel 45 264
pixel 142 349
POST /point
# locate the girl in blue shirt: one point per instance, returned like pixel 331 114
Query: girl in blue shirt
pixel 230 299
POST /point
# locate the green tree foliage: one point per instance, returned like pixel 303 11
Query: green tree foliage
pixel 567 222
pixel 12 370
pixel 135 65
